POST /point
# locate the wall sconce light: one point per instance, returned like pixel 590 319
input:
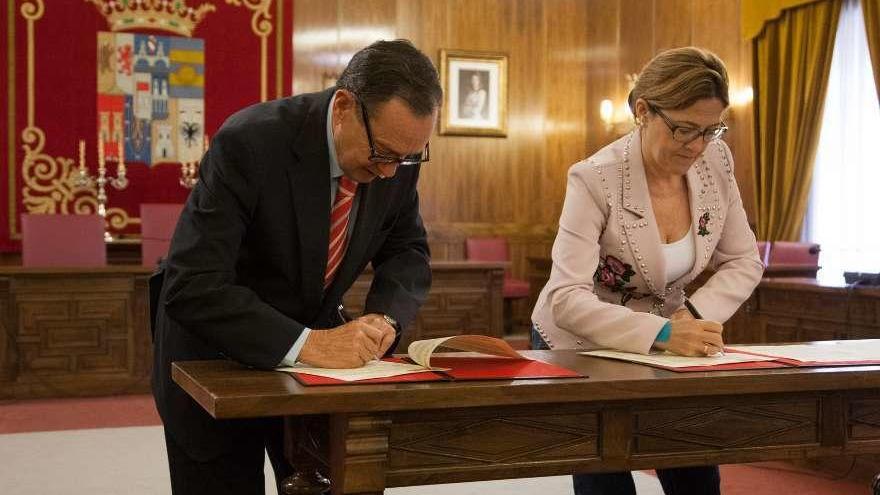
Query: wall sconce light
pixel 617 120
pixel 742 96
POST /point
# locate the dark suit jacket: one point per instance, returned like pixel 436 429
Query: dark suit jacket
pixel 245 271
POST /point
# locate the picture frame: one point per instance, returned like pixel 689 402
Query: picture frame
pixel 474 93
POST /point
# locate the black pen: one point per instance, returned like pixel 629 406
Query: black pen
pixel 687 303
pixel 696 314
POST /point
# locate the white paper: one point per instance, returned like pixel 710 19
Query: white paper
pixel 420 351
pixel 820 352
pixel 373 369
pixel 670 360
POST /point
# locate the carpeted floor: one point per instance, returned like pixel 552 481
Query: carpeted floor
pixel 114 445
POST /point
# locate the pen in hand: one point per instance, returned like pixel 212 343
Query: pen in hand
pixel 342 314
pixel 687 303
pixel 696 314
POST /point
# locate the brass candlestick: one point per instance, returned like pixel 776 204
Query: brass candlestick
pixel 84 179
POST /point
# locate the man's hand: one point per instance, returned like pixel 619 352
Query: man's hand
pixel 350 345
pixel 388 332
pixel 691 337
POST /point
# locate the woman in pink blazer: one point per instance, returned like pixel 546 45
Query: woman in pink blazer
pixel 642 218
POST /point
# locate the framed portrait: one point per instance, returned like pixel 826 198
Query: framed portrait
pixel 474 93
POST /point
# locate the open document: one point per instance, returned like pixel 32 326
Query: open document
pixel 829 353
pixel 670 360
pixel 497 361
pixel 740 357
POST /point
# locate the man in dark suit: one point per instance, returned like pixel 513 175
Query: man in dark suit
pixel 256 271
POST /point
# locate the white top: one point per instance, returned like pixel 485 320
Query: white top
pixel 680 256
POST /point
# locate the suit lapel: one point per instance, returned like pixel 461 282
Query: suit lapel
pixel 639 221
pixel 698 187
pixel 310 185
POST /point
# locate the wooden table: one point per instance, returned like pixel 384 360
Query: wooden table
pixel 805 309
pixel 622 417
pixel 69 332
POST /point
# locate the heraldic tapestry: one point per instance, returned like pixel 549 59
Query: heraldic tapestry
pixel 135 85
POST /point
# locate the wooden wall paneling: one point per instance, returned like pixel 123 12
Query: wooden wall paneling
pixel 527 94
pixel 474 181
pixel 603 66
pixel 673 23
pixel 716 27
pixel 315 39
pixel 565 122
pixel 565 57
pixel 636 40
pixel 362 22
pixel 424 22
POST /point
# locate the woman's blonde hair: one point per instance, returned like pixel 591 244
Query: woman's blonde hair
pixel 677 78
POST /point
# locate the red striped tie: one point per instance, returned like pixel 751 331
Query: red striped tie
pixel 339 226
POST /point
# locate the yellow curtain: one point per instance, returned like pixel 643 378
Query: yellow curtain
pixel 755 13
pixel 792 63
pixel 871 10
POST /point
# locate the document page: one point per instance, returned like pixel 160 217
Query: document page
pixel 420 351
pixel 670 360
pixel 373 369
pixel 819 352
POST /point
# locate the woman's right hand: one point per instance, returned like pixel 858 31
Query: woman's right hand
pixel 690 337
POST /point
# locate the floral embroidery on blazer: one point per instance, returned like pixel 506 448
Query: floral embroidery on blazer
pixel 704 224
pixel 614 275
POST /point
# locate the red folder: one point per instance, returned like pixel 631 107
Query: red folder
pixel 461 369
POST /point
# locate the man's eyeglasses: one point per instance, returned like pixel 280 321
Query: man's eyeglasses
pixel 686 134
pixel 383 159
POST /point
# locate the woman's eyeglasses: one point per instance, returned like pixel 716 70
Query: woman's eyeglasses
pixel 685 134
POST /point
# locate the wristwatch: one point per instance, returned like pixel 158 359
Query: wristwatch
pixel 391 321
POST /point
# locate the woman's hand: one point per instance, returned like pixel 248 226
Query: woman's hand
pixel 691 337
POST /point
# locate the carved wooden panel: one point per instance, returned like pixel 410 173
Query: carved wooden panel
pixel 7 345
pixel 489 440
pixel 864 419
pixel 464 298
pixel 74 332
pixel 725 428
pixel 804 304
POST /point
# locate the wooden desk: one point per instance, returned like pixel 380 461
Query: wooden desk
pixel 70 332
pixel 804 309
pixel 622 417
pixel 83 332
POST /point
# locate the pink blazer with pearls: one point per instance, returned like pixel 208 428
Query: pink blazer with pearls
pixel 607 286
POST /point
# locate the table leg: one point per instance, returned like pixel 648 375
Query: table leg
pixel 358 453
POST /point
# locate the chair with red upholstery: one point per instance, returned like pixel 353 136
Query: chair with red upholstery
pixel 495 249
pixel 62 241
pixel 158 221
pixel 793 259
pixel 794 253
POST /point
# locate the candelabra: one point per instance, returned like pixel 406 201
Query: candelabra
pixel 101 180
pixel 189 170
